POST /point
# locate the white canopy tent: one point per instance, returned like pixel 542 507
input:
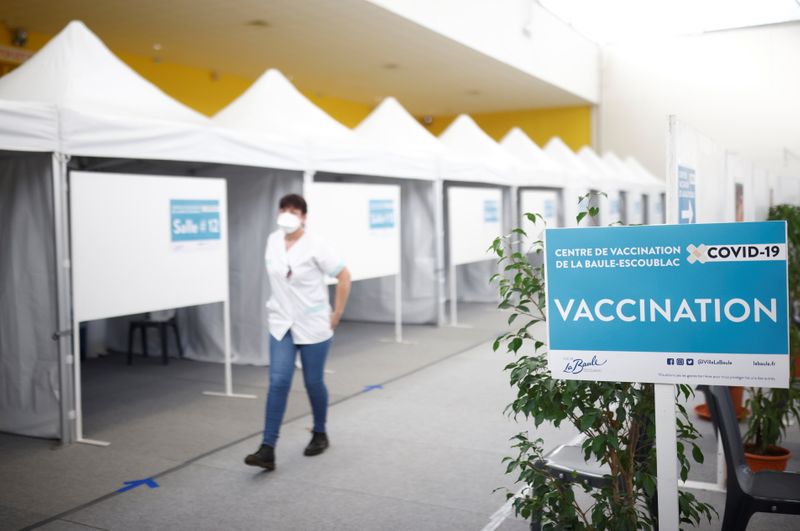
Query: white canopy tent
pixel 614 185
pixel 655 189
pixel 496 176
pixel 559 151
pixel 83 108
pixel 549 173
pixel 273 106
pixel 638 199
pixel 392 127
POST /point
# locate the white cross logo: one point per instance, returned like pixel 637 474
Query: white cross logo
pixel 697 254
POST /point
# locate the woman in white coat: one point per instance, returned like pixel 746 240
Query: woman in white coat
pixel 300 319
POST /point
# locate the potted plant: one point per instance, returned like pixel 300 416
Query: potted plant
pixel 770 409
pixel 616 417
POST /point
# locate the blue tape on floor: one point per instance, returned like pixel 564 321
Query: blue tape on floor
pixel 371 388
pixel 133 484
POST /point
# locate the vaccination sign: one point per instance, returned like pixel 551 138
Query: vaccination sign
pixel 696 304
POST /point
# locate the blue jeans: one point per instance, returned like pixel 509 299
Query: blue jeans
pixel 281 370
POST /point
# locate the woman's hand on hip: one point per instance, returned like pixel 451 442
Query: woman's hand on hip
pixel 335 318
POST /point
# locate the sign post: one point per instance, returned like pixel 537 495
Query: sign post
pixel 669 304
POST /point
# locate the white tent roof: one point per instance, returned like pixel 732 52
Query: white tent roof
pixel 273 106
pixel 624 169
pixel 106 109
pixel 469 141
pixel 28 126
pixel 558 150
pixel 610 173
pixel 647 177
pixel 390 125
pixel 547 171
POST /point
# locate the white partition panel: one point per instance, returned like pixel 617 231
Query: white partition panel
pixel 145 243
pixel 360 222
pixel 697 164
pixel 543 202
pixel 475 219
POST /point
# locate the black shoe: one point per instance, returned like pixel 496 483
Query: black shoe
pixel 264 457
pixel 318 444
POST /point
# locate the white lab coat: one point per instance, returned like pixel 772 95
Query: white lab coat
pixel 299 300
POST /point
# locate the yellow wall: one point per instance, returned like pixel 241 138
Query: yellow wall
pixel 198 89
pixel 572 124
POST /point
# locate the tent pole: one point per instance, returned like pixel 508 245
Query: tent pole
pixel 453 290
pixel 63 297
pixel 226 316
pixel 439 237
pixel 226 332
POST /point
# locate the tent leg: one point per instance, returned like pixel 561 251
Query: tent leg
pixel 226 325
pixel 438 201
pixel 64 302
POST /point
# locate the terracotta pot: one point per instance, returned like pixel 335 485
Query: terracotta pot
pixel 776 460
pixel 737 396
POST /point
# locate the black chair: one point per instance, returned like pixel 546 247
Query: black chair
pixel 566 463
pixel 162 325
pixel 748 492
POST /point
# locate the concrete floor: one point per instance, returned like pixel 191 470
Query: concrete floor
pixel 422 452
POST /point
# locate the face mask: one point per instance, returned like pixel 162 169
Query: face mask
pixel 289 222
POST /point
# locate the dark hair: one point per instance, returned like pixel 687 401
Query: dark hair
pixel 293 201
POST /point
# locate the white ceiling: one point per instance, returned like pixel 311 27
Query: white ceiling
pixel 607 21
pixel 349 49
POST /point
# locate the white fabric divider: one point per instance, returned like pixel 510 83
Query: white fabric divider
pixel 146 243
pixel 135 250
pixel 475 217
pixel 29 358
pixel 360 223
pixel 253 195
pixel 366 234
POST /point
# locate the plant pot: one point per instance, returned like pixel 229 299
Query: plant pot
pixel 776 459
pixel 737 397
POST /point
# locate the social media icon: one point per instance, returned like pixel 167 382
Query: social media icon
pixel 680 361
pixel 690 361
pixel 670 361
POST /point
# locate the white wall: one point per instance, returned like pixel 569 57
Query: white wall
pixel 741 88
pixel 520 33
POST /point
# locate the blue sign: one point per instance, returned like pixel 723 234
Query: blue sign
pixel 712 298
pixel 381 214
pixel 549 208
pixel 687 206
pixel 194 220
pixel 491 211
